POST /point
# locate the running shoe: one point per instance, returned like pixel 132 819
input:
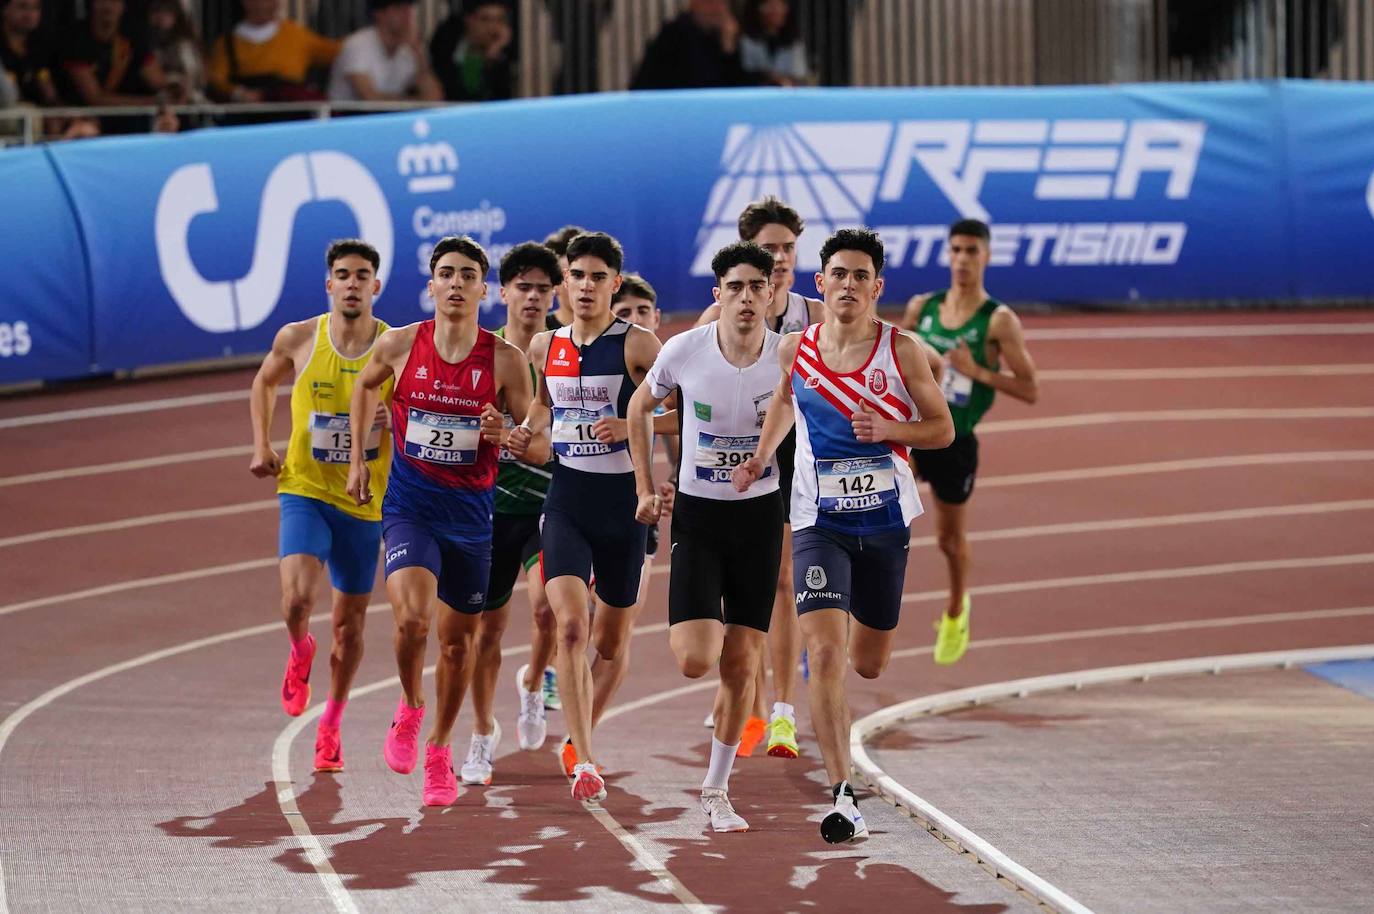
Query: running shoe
pixel 782 737
pixel 844 822
pixel 295 685
pixel 754 730
pixel 532 726
pixel 952 640
pixel 402 746
pixel 710 722
pixel 587 786
pixel 477 768
pixel 551 700
pixel 722 816
pixel 328 749
pixel 441 787
pixel 567 756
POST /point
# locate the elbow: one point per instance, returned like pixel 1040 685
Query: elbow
pixel 946 435
pixel 1032 393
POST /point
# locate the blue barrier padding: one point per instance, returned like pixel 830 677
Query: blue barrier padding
pixel 1355 675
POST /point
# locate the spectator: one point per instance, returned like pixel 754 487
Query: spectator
pixel 267 58
pixel 172 38
pixel 385 60
pixel 103 66
pixel 699 49
pixel 771 50
pixel 23 52
pixel 471 54
pixel 9 90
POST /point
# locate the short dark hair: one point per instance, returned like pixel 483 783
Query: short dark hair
pixel 975 228
pixel 472 6
pixel 375 5
pixel 741 252
pixel 597 244
pixel 463 245
pixel 530 255
pixel 632 284
pixel 558 241
pixel 768 211
pixel 342 247
pixel 854 239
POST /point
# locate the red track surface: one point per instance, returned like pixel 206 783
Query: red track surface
pixel 152 787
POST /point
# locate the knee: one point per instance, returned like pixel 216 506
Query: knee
pixel 572 636
pixel 736 671
pixel 297 602
pixel 413 624
pixel 693 666
pixel 825 659
pixel 489 638
pixel 870 668
pixel 348 636
pixel 952 543
pixel 455 649
pixel 544 619
pixel 610 645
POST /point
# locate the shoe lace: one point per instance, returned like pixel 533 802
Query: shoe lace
pixel 479 751
pixel 438 766
pixel 717 802
pixel 408 727
pixel 327 741
pixel 533 704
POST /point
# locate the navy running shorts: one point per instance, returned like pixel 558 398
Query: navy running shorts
pixel 461 566
pixel 862 575
pixel 589 528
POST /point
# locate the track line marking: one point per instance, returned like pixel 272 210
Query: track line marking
pixel 1074 420
pixel 1200 373
pixel 1176 466
pixel 945 827
pixel 1173 332
pixel 123 586
pixel 142 463
pixel 143 520
pixel 124 409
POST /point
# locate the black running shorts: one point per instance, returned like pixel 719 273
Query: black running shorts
pixel 725 557
pixel 951 470
pixel 589 527
pixel 514 545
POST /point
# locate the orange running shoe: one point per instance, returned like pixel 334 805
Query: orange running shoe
pixel 754 731
pixel 295 685
pixel 568 756
pixel 328 749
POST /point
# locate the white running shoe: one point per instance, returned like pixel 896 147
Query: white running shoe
pixel 716 804
pixel 532 726
pixel 710 722
pixel 844 822
pixel 478 767
pixel 587 785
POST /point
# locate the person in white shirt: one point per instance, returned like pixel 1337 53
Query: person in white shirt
pixel 384 61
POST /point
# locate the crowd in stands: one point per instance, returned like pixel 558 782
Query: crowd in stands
pixel 148 53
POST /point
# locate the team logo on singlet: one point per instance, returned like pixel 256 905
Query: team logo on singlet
pixel 815 577
pixel 422 373
pixel 877 381
pixel 812 382
pixel 476 376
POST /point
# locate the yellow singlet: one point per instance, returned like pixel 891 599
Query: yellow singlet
pixel 316 463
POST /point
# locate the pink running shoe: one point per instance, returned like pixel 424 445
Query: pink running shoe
pixel 328 749
pixel 295 685
pixel 587 784
pixel 441 785
pixel 402 746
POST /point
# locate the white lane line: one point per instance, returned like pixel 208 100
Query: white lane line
pixel 1075 420
pixel 144 520
pixel 124 409
pixel 1218 372
pixel 945 827
pixel 1175 466
pixel 1197 331
pixel 1154 574
pixel 123 586
pixel 142 463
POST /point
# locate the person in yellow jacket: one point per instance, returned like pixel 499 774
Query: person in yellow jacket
pixel 320 524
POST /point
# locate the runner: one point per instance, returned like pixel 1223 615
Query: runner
pixel 437 514
pixel 726 546
pixel 588 370
pixel 774 226
pixel 528 274
pixel 320 524
pixel 976 334
pixel 861 394
pixel 557 242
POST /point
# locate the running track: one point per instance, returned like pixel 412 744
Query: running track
pixel 1189 485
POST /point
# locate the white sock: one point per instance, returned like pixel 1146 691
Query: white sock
pixel 783 709
pixel 722 760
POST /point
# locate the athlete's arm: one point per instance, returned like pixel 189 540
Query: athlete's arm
pixel 711 313
pixel 1005 333
pixel 641 348
pixel 934 428
pixel 262 399
pixel 512 371
pixel 912 316
pixel 522 440
pixel 393 347
pixel 640 422
pixel 776 423
pixel 933 357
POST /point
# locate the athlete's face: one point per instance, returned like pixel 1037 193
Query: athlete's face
pixel 457 286
pixel 588 285
pixel 781 242
pixel 850 285
pixel 352 284
pixel 527 298
pixel 744 294
pixel 968 258
pixel 638 311
pixel 22 16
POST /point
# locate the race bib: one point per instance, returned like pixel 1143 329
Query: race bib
pixel 573 435
pixel 957 387
pixel 718 455
pixel 440 438
pixel 507 423
pixel 855 484
pixel 331 439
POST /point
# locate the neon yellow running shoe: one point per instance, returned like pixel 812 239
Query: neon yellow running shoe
pixel 952 640
pixel 782 737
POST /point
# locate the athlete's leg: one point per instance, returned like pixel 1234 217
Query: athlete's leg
pixel 784 634
pixel 568 599
pixel 697 644
pixel 414 593
pixel 950 533
pixel 350 613
pixel 457 633
pixel 824 632
pixel 543 630
pixel 300 576
pixel 741 656
pixel 869 649
pixel 611 638
pixel 485 666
